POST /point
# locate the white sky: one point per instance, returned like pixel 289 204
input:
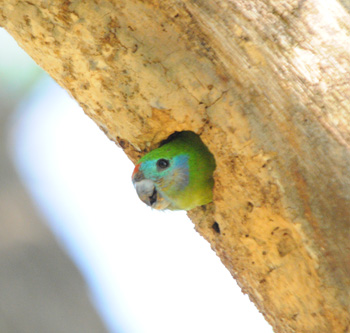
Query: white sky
pixel 148 271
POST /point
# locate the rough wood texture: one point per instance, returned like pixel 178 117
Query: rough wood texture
pixel 266 84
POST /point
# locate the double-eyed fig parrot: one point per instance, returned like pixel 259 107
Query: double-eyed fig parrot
pixel 176 176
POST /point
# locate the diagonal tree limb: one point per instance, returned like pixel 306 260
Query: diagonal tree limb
pixel 266 84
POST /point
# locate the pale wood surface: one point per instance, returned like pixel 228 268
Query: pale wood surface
pixel 266 84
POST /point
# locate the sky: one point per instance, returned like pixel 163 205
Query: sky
pixel 148 271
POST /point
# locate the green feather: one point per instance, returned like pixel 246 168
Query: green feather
pixel 199 179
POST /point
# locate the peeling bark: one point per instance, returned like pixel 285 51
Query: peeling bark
pixel 266 85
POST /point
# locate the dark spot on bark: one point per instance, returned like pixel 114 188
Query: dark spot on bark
pixel 85 86
pixel 27 20
pixel 250 207
pixel 134 48
pixel 122 144
pixel 216 227
pixel 273 231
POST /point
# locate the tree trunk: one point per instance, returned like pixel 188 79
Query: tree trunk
pixel 266 85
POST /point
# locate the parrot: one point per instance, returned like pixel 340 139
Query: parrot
pixel 176 176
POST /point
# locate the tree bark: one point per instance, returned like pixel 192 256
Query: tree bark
pixel 266 85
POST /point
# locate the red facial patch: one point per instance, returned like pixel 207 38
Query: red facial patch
pixel 135 170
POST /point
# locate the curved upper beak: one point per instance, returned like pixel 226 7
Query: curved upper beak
pixel 144 187
pixel 147 191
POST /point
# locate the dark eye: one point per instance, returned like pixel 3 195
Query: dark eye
pixel 162 163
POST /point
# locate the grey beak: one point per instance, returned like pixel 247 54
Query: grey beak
pixel 146 191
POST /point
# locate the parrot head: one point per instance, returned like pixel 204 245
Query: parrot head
pixel 177 175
